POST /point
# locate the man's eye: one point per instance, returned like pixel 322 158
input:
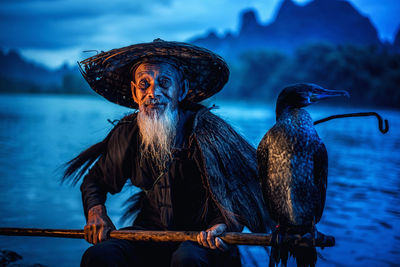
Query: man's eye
pixel 165 83
pixel 143 84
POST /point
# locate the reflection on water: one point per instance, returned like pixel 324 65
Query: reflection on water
pixel 39 133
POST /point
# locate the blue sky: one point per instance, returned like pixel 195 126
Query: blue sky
pixel 57 31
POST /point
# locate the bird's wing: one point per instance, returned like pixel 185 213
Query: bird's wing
pixel 228 163
pixel 321 177
pixel 262 163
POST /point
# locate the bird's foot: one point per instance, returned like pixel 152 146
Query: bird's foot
pixel 312 238
pixel 322 239
pixel 306 239
pixel 284 236
pixel 309 238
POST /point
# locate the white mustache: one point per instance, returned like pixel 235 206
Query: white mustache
pixel 153 101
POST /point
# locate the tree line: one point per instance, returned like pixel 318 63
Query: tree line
pixel 370 74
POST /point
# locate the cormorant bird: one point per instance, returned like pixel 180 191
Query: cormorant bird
pixel 293 170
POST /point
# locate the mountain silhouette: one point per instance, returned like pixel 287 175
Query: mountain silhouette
pixel 396 43
pixel 14 66
pixel 323 21
pixel 19 75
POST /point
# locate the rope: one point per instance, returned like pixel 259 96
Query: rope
pixel 122 121
pixel 382 129
pixel 155 182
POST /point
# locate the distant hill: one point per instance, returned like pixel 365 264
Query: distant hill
pixel 319 21
pixel 19 75
pixel 327 42
pixel 396 43
pixel 13 66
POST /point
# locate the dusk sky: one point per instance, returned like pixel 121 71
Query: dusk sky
pixel 56 31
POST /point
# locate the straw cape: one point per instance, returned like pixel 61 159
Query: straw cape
pixel 109 73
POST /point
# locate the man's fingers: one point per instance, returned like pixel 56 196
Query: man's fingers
pixel 208 238
pixel 104 233
pixel 100 231
pixel 199 239
pixel 221 244
pixel 203 238
pixel 88 235
pixel 94 235
pixel 100 234
pixel 211 239
pixel 220 229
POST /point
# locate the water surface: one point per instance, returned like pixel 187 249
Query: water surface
pixel 39 133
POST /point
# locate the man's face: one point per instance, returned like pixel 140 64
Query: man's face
pixel 156 86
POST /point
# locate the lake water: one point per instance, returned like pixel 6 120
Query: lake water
pixel 39 133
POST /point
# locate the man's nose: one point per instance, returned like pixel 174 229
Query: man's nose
pixel 154 91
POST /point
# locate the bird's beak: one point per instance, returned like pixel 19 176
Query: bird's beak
pixel 320 94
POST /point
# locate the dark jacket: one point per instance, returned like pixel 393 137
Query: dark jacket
pixel 212 178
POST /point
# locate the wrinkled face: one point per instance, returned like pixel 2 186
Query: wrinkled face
pixel 157 86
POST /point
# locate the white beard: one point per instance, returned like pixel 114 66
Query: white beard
pixel 157 132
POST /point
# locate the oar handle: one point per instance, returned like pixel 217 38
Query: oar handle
pixel 180 236
pixel 66 233
pixel 256 239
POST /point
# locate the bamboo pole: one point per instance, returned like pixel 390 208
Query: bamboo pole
pixel 257 239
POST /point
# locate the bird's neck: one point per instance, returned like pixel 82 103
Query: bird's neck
pixel 282 108
pixel 295 115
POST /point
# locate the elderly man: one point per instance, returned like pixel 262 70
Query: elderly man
pixel 196 173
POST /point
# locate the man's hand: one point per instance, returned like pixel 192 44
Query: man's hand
pixel 210 239
pixel 98 225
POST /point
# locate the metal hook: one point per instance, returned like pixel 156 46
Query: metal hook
pixel 382 129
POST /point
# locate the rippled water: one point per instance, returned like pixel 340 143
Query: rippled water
pixel 39 133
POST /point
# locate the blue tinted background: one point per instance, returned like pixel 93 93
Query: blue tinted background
pixel 39 132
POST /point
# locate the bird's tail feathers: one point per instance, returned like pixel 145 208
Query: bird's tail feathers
pixel 279 254
pixel 281 249
pixel 304 256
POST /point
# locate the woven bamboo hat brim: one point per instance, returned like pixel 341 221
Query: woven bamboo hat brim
pixel 109 73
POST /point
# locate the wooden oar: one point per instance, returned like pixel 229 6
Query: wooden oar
pixel 171 236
